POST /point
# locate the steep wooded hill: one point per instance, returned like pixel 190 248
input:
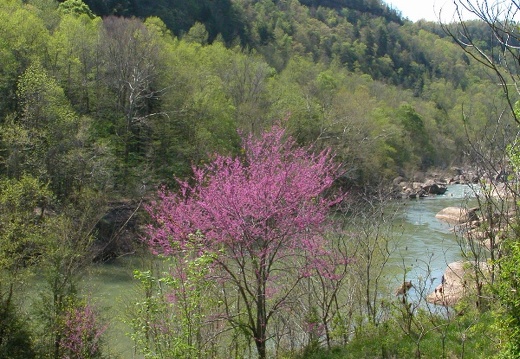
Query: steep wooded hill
pixel 140 101
pixel 362 35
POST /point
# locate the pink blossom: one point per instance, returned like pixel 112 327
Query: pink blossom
pixel 265 211
pixel 271 196
pixel 81 333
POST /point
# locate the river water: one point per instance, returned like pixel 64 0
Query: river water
pixel 422 245
pixel 426 245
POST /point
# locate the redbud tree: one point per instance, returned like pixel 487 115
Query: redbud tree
pixel 81 333
pixel 263 213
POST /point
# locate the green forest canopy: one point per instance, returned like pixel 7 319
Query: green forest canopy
pixel 136 100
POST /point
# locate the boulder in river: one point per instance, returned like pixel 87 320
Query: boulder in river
pixel 419 189
pixel 433 187
pixel 457 215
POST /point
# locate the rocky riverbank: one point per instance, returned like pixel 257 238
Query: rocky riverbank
pixel 459 279
pixel 484 228
pixel 424 184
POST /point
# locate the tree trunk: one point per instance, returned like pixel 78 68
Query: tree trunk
pixel 261 313
pixel 260 347
pixel 4 312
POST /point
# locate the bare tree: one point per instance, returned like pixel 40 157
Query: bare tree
pixel 493 41
pixel 130 72
pixel 500 50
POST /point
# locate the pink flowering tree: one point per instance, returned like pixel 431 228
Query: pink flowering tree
pixel 263 213
pixel 81 333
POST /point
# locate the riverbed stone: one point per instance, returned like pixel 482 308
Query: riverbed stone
pixel 434 187
pixel 458 281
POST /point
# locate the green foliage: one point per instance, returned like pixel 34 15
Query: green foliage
pixel 131 94
pixel 169 321
pixel 76 63
pixel 416 135
pixel 75 7
pixel 507 289
pixel 49 140
pixel 23 204
pixel 198 116
pixel 383 341
pixel 23 39
pixel 15 340
pixel 198 34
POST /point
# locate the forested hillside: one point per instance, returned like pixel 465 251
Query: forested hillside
pixel 145 101
pixel 103 102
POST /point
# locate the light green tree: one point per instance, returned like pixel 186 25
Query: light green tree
pixel 23 207
pixel 198 34
pixel 75 61
pixel 23 39
pixel 173 318
pixel 75 7
pixel 49 140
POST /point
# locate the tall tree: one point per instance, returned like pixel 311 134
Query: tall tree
pixel 246 79
pixel 23 38
pixel 130 55
pixel 75 59
pixel 264 216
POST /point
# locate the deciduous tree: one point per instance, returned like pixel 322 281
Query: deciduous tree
pixel 130 54
pixel 22 235
pixel 263 213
